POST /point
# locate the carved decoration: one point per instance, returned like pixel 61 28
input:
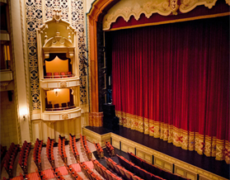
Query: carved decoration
pixel 65 116
pixel 174 6
pixel 42 28
pixel 63 84
pixel 227 2
pixel 135 8
pixel 46 38
pixel 126 9
pixel 47 56
pixel 57 41
pixel 57 15
pixel 188 5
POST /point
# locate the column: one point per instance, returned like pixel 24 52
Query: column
pixel 21 67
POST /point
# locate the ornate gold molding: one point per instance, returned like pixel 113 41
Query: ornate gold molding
pixel 135 8
pixel 174 21
pixel 188 5
pixel 227 2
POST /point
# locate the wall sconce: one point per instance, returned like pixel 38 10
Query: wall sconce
pixel 56 91
pixel 23 113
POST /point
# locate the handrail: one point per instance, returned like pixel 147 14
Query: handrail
pixel 59 76
pixel 60 108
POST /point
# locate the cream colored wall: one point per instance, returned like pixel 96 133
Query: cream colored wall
pixel 62 96
pixel 44 129
pixel 8 128
pixel 88 5
pixel 57 65
pixel 20 71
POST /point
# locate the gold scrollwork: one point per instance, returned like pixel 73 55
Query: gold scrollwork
pixel 188 5
pixel 126 10
pixel 63 84
pixel 65 116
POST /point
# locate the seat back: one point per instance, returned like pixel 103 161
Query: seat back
pixel 63 105
pixel 48 75
pixel 56 105
pixel 57 75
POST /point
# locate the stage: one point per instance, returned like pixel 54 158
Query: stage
pixel 202 162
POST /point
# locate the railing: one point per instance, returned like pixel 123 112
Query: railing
pixel 53 76
pixel 60 108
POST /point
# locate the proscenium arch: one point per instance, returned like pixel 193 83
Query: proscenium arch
pixel 98 10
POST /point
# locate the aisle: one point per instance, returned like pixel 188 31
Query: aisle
pixel 70 156
pixel 57 158
pixel 45 162
pixel 32 167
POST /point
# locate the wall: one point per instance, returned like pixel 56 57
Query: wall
pixel 44 129
pixel 8 128
pixel 88 5
pixel 62 96
pixel 57 65
pixel 37 12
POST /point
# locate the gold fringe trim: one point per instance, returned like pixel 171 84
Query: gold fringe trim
pixel 187 140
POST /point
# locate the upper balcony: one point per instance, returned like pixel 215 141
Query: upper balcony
pixel 57 54
pixel 57 72
pixel 61 115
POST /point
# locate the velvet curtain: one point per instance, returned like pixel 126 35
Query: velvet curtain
pixel 172 82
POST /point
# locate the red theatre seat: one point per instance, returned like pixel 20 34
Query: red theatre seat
pixel 57 75
pixel 48 75
pixel 63 75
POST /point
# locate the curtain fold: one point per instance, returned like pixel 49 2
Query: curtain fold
pixel 172 82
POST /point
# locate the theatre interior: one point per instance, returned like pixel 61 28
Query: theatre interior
pixel 114 90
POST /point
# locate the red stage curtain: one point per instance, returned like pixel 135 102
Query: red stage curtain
pixel 172 82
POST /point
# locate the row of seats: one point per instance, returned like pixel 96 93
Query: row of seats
pixel 55 172
pixel 61 148
pixel 73 147
pixel 49 151
pixel 137 170
pixel 89 173
pixel 154 169
pixel 10 158
pixel 50 75
pixel 104 172
pixel 121 171
pixel 23 156
pixel 73 173
pixel 37 154
pixel 100 151
pixel 3 151
pixel 85 146
pixel 58 175
pixel 20 177
pixel 43 176
pixel 56 107
pixel 110 148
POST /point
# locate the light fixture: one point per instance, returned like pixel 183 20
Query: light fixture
pixel 56 91
pixel 23 113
